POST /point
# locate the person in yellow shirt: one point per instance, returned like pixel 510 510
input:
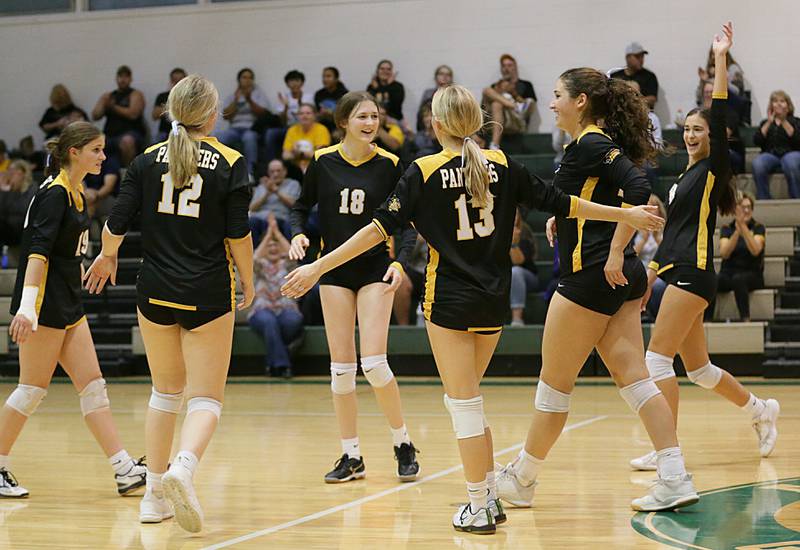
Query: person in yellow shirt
pixel 305 137
pixel 390 136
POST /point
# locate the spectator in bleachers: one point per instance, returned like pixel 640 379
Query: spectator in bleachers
pixel 510 101
pixel 779 138
pixel 14 202
pixel 326 97
pixel 389 136
pixel 651 167
pixel 741 246
pixel 241 109
pixel 5 163
pixel 425 142
pixel 160 107
pixel 738 96
pixel 409 293
pixel 645 243
pixel 61 112
pixel 273 196
pixel 305 137
pixel 26 150
pixel 442 77
pixel 273 317
pixel 389 93
pixel 524 276
pixel 123 108
pixel 634 70
pixel 732 123
pixel 290 101
pixel 101 192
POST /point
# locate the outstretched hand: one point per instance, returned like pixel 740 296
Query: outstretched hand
pixel 723 43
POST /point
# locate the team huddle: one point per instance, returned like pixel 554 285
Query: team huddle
pixel 192 194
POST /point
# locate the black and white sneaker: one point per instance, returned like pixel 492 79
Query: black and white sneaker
pixel 407 465
pixel 9 486
pixel 495 508
pixel 346 469
pixel 479 522
pixel 133 479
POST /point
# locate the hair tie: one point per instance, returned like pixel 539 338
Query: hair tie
pixel 175 125
pixel 464 149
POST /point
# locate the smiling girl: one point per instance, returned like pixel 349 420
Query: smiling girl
pixel 49 324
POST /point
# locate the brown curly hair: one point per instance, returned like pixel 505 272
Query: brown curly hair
pixel 623 111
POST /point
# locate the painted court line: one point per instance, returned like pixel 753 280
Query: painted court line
pixel 370 498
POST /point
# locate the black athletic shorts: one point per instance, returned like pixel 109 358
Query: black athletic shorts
pixel 358 272
pixel 61 304
pixel 589 288
pixel 187 319
pixel 697 281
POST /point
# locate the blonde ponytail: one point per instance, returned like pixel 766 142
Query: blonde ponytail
pixel 192 103
pixel 460 116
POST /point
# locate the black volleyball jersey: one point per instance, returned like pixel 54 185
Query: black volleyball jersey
pixel 187 263
pixel 595 169
pixel 347 193
pixel 56 230
pixel 468 276
pixel 692 202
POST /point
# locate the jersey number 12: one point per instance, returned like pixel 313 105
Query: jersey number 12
pixel 187 196
pixel 483 228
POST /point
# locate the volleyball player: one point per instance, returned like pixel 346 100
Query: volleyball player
pixel 598 300
pixel 685 261
pixel 49 324
pixel 463 202
pixel 348 181
pixel 192 193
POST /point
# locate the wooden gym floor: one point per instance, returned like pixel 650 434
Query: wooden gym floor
pixel 260 482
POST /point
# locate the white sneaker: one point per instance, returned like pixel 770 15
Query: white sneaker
pixel 9 486
pixel 766 427
pixel 668 494
pixel 479 522
pixel 510 489
pixel 645 463
pixel 179 490
pixel 496 509
pixel 134 479
pixel 154 509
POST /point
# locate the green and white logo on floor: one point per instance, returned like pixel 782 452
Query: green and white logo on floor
pixel 755 516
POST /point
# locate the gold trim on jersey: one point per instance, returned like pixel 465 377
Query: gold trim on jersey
pixel 229 256
pixel 591 129
pixel 483 329
pixel 42 287
pixel 398 266
pixel 586 194
pixel 74 195
pixel 173 305
pixel 428 165
pixel 430 281
pixel 702 225
pixel 665 268
pixel 378 224
pixel 384 153
pixel 154 147
pixel 573 207
pixel 497 156
pixel 230 155
pixel 720 95
pixel 38 257
pixel 76 323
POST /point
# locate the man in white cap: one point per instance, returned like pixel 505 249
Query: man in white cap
pixel 634 70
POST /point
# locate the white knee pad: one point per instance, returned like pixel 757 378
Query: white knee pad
pixel 550 400
pixel 25 399
pixel 343 378
pixel 659 366
pixel 204 404
pixel 467 416
pixel 376 370
pixel 639 393
pixel 166 402
pixel 706 377
pixel 94 396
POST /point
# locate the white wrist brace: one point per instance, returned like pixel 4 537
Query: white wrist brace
pixel 27 305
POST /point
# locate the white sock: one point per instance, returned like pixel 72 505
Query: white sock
pixel 400 435
pixel 527 467
pixel 188 460
pixel 154 482
pixel 477 495
pixel 5 462
pixel 491 485
pixel 350 447
pixel 754 406
pixel 121 462
pixel 670 462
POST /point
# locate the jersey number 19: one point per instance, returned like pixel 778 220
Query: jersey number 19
pixel 189 194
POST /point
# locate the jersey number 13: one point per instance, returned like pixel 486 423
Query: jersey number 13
pixel 186 198
pixel 483 228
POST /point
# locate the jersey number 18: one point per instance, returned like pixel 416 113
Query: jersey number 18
pixel 352 201
pixel 189 194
